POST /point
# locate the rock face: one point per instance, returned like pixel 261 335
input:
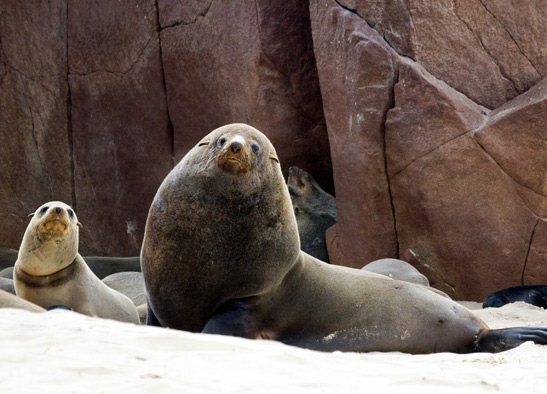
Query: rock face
pixel 430 116
pixel 466 185
pixel 262 73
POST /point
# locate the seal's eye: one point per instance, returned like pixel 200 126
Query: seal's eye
pixel 70 213
pixel 255 148
pixel 44 210
pixel 221 141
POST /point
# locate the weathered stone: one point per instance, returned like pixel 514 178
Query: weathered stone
pixel 526 23
pixel 357 71
pixel 515 136
pixel 122 143
pixel 173 12
pixel 35 151
pixel 535 272
pixel 454 205
pixel 442 114
pixel 444 36
pixel 261 73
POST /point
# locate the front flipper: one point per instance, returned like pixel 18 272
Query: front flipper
pixel 494 341
pixel 151 319
pixel 232 318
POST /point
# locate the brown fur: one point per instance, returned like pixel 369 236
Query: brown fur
pixel 221 255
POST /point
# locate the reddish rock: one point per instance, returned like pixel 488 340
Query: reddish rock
pixel 535 272
pixel 122 143
pixel 172 12
pixel 443 114
pixel 357 70
pixel 35 154
pixel 444 36
pixel 261 73
pixel 515 136
pixel 454 206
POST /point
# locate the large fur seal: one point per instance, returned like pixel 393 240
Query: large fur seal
pixel 221 255
pixel 315 212
pixel 50 272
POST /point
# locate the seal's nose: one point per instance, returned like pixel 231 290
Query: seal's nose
pixel 235 146
pixel 58 210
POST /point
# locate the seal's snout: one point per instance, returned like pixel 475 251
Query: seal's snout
pixel 236 145
pixel 58 210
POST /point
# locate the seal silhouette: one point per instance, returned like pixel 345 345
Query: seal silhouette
pixel 50 272
pixel 221 255
pixel 315 212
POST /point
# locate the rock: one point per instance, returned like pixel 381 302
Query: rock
pixel 262 73
pixel 35 149
pixel 455 207
pixel 120 127
pixel 515 137
pixel 357 70
pixel 535 272
pixel 443 36
pixel 6 284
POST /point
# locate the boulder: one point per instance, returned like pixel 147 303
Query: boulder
pixel 454 206
pixel 357 70
pixel 120 126
pixel 250 62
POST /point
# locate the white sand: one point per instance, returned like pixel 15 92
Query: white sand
pixel 64 352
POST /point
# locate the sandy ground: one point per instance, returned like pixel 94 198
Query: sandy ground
pixel 64 352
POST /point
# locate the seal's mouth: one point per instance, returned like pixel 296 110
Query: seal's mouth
pixel 53 228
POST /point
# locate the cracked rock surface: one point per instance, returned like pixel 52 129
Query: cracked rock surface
pixel 428 119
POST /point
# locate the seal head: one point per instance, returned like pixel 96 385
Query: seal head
pixel 52 232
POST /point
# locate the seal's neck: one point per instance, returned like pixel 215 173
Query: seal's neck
pixel 46 258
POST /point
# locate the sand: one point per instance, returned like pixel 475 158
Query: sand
pixel 65 352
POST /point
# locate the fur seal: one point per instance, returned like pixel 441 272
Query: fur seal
pixel 8 300
pixel 221 254
pixel 129 284
pixel 531 294
pixel 315 212
pixel 397 269
pixel 49 271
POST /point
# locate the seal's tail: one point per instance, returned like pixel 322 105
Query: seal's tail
pixel 494 341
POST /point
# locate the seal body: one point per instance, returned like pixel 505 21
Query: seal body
pixel 397 269
pixel 531 294
pixel 50 272
pixel 221 255
pixel 315 212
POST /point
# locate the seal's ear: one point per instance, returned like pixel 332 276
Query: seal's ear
pixel 274 158
pixel 31 214
pixel 203 143
pixel 79 224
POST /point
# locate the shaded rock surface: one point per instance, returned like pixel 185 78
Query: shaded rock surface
pixel 430 117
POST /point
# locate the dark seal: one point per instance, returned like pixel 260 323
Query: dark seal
pixel 221 255
pixel 531 294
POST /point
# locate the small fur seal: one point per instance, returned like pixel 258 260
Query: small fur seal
pixel 315 212
pixel 101 266
pixel 221 254
pixel 49 271
pixel 531 294
pixel 397 269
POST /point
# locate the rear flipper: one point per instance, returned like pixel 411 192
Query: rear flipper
pixel 151 319
pixel 494 341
